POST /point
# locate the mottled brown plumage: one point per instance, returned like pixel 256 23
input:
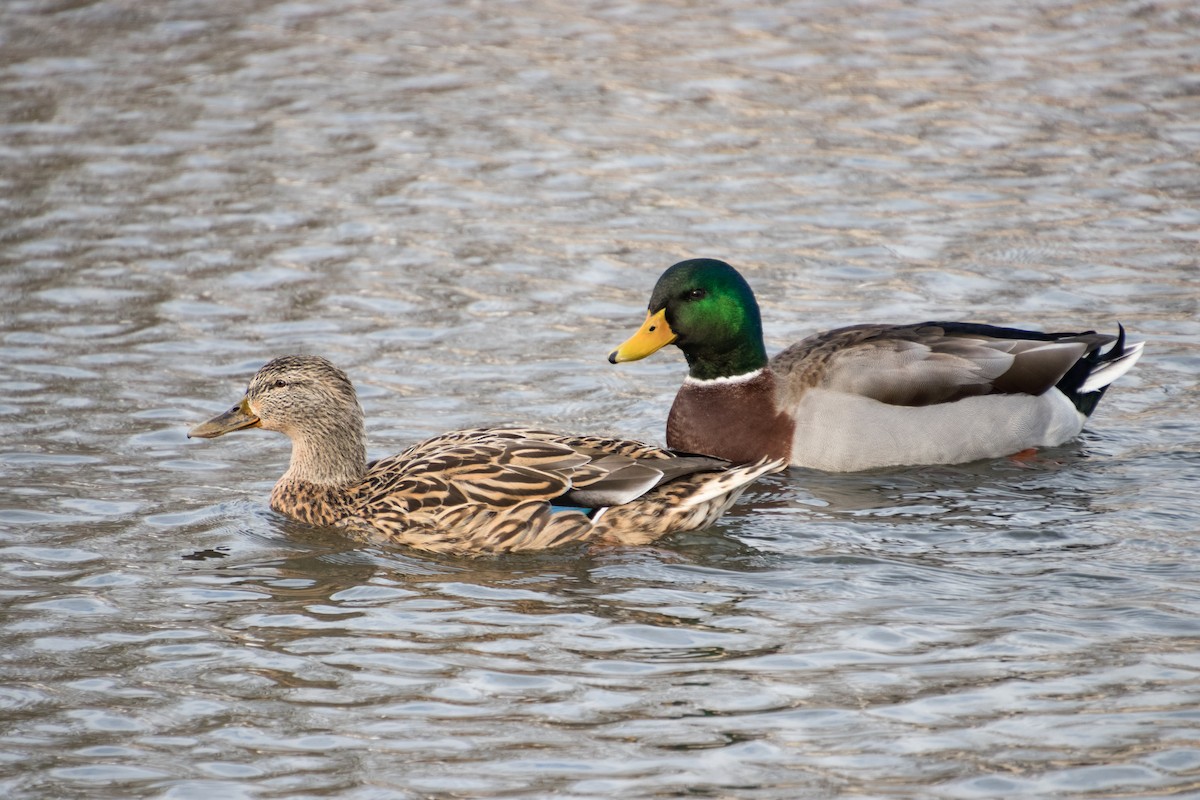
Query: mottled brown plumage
pixel 485 490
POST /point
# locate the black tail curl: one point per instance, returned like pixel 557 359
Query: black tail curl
pixel 1072 383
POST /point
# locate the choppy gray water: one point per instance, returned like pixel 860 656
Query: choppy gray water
pixel 465 205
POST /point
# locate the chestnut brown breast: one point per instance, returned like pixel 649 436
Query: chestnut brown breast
pixel 735 420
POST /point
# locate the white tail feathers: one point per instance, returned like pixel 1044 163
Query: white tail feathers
pixel 1108 371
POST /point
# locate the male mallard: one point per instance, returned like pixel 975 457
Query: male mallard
pixel 473 491
pixel 866 395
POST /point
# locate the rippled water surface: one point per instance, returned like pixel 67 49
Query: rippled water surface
pixel 465 205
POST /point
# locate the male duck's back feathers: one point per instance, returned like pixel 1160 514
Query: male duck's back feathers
pixel 934 362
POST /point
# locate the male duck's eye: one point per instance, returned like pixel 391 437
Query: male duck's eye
pixel 695 294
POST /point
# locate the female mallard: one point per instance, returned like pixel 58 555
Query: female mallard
pixel 472 491
pixel 867 395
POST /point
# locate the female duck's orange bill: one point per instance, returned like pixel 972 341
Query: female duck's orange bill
pixel 654 335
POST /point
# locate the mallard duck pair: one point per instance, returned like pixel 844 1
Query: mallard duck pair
pixel 848 399
pixel 865 396
pixel 473 492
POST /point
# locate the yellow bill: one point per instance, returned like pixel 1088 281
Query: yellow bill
pixel 654 335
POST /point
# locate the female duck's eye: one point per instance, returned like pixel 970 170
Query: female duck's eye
pixel 279 384
pixel 695 294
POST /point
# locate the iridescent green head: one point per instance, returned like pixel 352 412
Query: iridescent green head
pixel 707 310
